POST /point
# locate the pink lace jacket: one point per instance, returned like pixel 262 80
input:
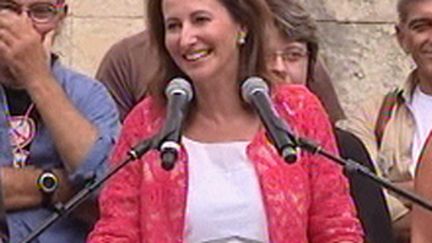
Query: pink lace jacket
pixel 305 202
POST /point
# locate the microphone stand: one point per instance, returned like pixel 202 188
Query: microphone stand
pixel 62 210
pixel 354 167
pixel 153 143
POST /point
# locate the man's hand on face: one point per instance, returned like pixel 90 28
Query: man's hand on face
pixel 22 49
pixel 48 42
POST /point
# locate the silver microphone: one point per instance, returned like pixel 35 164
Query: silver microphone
pixel 179 94
pixel 255 91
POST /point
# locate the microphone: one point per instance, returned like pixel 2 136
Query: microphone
pixel 256 92
pixel 179 93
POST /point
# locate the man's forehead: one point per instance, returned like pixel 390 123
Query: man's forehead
pixel 419 10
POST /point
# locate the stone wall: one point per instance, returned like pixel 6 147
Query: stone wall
pixel 358 42
pixel 360 47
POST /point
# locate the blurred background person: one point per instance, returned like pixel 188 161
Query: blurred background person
pixel 292 57
pixel 394 126
pixel 422 219
pixel 4 227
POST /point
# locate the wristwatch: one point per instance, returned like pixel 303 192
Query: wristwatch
pixel 47 183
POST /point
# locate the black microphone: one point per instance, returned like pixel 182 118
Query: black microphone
pixel 256 92
pixel 179 93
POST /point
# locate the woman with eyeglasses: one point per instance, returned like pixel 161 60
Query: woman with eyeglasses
pixel 56 125
pixel 293 54
pixel 292 57
pixel 229 183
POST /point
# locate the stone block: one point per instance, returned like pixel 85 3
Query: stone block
pixel 91 38
pixel 363 59
pixel 369 11
pixel 107 8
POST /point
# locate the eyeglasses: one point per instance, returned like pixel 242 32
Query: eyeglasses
pixel 289 55
pixel 40 13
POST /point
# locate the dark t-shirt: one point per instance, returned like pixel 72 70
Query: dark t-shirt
pixel 126 70
pixel 19 103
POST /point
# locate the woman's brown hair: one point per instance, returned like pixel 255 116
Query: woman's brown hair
pixel 253 15
pixel 293 22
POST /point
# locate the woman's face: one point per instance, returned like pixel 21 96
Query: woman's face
pixel 288 60
pixel 201 37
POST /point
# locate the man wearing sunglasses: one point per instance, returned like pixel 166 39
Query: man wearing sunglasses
pixel 56 126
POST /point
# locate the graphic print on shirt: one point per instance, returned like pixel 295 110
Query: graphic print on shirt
pixel 22 133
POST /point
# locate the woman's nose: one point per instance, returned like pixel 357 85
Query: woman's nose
pixel 188 36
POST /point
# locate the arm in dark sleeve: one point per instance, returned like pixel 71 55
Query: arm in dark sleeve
pixel 115 73
pixel 322 87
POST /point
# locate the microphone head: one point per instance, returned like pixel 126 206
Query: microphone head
pixel 179 86
pixel 251 86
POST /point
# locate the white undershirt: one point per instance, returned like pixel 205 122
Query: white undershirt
pixel 421 106
pixel 224 202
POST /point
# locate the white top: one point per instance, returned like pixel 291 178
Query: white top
pixel 224 202
pixel 421 106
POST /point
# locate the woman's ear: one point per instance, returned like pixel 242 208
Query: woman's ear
pixel 242 35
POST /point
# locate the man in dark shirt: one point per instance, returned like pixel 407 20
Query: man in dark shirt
pixel 56 126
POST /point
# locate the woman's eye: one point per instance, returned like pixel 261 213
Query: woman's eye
pixel 201 19
pixel 172 26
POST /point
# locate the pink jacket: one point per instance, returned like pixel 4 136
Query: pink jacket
pixel 305 202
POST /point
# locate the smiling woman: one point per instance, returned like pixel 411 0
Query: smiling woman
pixel 201 39
pixel 229 183
pixel 235 24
